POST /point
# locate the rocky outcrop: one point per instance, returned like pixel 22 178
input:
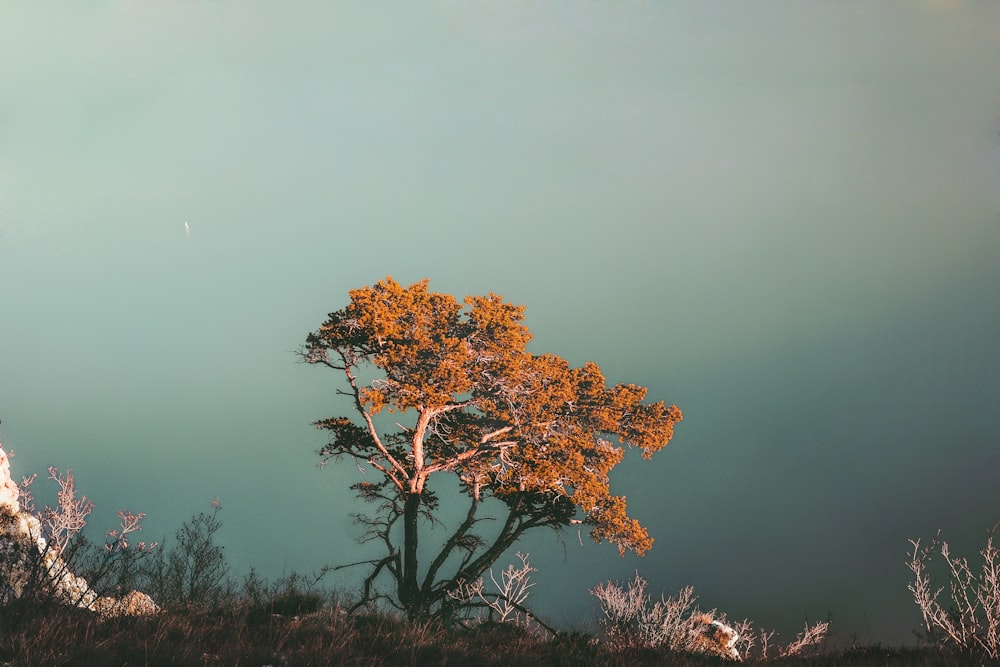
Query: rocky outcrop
pixel 717 638
pixel 8 487
pixel 135 603
pixel 29 565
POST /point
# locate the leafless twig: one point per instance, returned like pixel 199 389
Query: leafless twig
pixel 70 515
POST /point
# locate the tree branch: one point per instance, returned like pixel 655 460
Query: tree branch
pixel 453 461
pixel 366 595
pixel 397 467
pixel 512 529
pixel 449 546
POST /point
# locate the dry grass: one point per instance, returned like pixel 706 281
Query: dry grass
pixel 250 634
pixel 67 636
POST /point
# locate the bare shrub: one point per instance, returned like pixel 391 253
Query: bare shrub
pixel 972 621
pixel 506 605
pixel 290 595
pixel 513 586
pixel 631 619
pixel 26 499
pixel 68 518
pixel 118 566
pixel 192 572
pixel 676 624
pixel 811 635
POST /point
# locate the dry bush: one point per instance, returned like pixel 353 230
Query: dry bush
pixel 972 621
pixel 68 518
pixel 193 571
pixel 631 619
pixel 506 605
pixel 676 625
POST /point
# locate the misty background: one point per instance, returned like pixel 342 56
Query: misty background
pixel 780 216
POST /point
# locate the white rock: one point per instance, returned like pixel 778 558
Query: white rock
pixel 716 637
pixel 9 491
pixel 23 549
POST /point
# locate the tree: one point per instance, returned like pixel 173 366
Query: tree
pixel 524 429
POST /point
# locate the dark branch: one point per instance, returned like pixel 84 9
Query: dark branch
pixel 451 543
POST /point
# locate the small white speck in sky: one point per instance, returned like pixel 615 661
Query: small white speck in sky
pixel 187 230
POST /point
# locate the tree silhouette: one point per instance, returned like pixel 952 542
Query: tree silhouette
pixel 524 429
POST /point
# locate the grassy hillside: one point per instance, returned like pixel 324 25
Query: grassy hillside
pixel 253 634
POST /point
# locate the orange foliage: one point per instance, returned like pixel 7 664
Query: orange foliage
pixel 527 429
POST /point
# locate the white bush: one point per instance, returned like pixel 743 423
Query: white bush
pixel 972 621
pixel 632 619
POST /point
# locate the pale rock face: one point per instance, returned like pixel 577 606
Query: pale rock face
pixel 8 487
pixel 23 549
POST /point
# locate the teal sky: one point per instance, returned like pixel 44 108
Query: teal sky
pixel 780 216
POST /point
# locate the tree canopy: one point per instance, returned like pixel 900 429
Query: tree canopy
pixel 525 429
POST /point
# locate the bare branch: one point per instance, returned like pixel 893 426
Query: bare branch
pixel 397 467
pixel 70 515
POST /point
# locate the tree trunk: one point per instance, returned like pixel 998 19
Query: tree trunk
pixel 409 592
